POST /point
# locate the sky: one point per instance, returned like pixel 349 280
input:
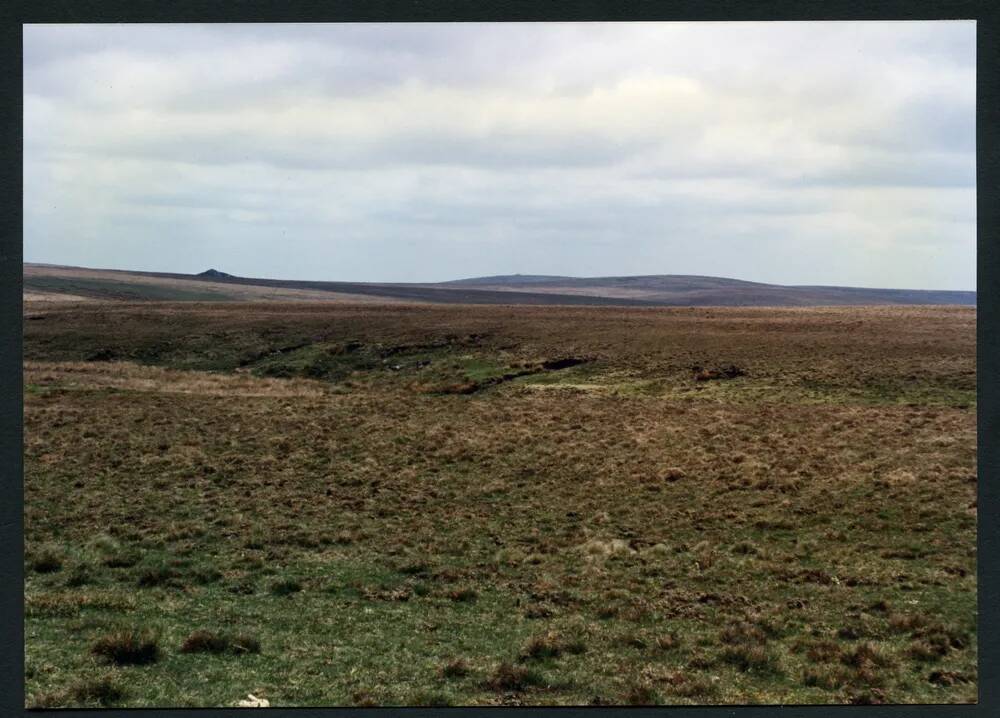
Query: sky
pixel 838 153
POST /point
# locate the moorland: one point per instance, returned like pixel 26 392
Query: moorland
pixel 340 503
pixel 46 281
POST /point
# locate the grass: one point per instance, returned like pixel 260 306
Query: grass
pixel 511 678
pixel 285 587
pixel 316 527
pixel 100 692
pixel 202 641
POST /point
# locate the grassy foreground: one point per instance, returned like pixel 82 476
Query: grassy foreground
pixel 356 505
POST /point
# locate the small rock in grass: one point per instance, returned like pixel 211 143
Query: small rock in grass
pixel 252 701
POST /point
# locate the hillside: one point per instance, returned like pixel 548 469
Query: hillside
pixel 693 290
pixel 49 281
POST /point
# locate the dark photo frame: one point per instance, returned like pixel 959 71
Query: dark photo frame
pixel 987 299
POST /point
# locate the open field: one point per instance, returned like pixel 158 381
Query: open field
pixel 346 504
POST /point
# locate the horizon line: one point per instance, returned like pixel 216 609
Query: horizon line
pixel 498 276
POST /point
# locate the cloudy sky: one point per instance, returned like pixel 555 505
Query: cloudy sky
pixel 795 153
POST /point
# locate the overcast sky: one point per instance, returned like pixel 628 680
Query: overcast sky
pixel 794 153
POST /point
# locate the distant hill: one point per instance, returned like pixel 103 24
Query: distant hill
pixel 508 279
pixel 696 290
pixel 649 291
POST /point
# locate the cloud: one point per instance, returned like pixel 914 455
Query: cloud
pixel 805 153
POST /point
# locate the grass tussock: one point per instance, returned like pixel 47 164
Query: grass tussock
pixel 751 658
pixel 509 677
pixel 551 645
pixel 906 622
pixel 641 695
pixel 285 587
pixel 202 641
pixel 868 654
pixel 949 678
pixel 463 595
pixel 102 691
pixel 431 698
pixel 127 647
pixel 72 603
pixel 667 642
pixel 826 677
pixel 458 668
pixel 159 575
pixel 48 559
pixel 824 651
pixel 927 650
pixel 78 576
pixel 105 691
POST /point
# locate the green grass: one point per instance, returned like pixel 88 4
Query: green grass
pixel 350 632
pixel 332 362
pixel 350 636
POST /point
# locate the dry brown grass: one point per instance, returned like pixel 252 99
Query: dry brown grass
pixel 42 297
pixel 130 376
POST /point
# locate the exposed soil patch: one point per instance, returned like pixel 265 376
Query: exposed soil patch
pixel 563 363
pixel 103 355
pixel 728 372
pixel 527 369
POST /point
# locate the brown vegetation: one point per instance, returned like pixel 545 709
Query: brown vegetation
pixel 127 646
